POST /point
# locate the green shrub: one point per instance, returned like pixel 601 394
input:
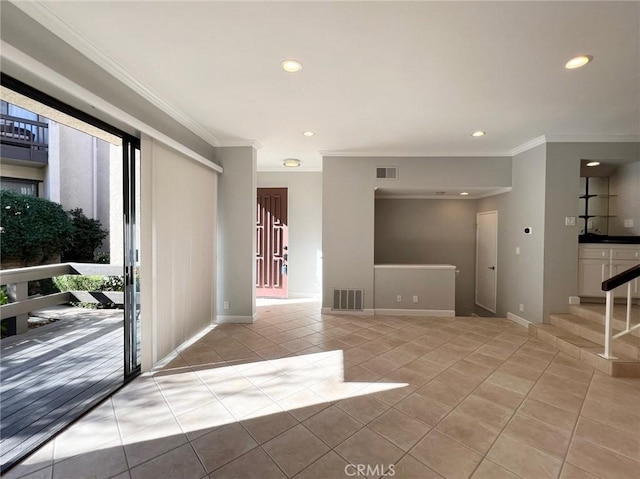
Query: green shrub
pixel 87 236
pixel 78 282
pixel 32 229
pixel 4 299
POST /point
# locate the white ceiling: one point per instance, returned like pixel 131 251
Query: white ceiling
pixel 381 78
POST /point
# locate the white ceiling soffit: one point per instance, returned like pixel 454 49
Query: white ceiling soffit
pixel 387 78
pixel 449 193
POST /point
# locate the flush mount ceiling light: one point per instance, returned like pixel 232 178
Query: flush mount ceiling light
pixel 478 133
pixel 464 193
pixel 291 66
pixel 308 133
pixel 291 162
pixel 578 62
pixel 593 163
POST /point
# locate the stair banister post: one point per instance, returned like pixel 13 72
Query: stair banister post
pixel 607 325
pixel 629 305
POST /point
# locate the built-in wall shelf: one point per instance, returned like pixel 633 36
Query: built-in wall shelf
pixel 594 205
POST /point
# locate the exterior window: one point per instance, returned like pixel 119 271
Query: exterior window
pixel 24 187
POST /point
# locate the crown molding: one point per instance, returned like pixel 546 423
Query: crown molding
pixel 37 10
pixel 377 154
pixel 592 138
pixel 13 55
pixel 497 191
pixel 540 140
pixel 238 143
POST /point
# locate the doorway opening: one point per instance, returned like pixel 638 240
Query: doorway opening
pixel 487 260
pixel 272 243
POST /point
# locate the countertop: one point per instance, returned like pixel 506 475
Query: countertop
pixel 591 238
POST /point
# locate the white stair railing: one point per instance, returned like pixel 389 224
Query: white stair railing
pixel 626 277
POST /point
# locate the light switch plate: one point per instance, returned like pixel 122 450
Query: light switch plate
pixel 628 223
pixel 570 221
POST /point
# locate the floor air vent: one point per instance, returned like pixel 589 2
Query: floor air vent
pixel 387 173
pixel 348 299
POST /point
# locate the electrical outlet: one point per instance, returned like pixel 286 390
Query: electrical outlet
pixel 225 305
pixel 399 298
pixel 415 299
pixel 521 308
pixel 517 250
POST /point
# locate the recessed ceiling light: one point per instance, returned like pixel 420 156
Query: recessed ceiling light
pixel 308 133
pixel 291 162
pixel 464 193
pixel 291 66
pixel 578 62
pixel 593 163
pixel 478 133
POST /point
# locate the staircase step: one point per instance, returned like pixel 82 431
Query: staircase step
pixel 596 312
pixel 628 345
pixel 587 351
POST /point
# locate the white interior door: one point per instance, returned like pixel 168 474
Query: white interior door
pixel 487 260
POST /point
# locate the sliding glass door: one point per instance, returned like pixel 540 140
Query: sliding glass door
pixel 131 166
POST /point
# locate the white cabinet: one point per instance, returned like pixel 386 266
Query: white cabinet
pixel 598 262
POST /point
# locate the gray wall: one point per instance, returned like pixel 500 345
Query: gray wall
pixel 562 189
pixel 423 231
pixel 348 207
pixel 237 233
pixel 520 277
pixel 545 191
pixel 305 228
pixel 625 183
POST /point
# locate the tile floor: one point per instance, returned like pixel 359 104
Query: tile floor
pixel 304 395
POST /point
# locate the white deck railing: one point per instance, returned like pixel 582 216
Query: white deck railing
pixel 17 282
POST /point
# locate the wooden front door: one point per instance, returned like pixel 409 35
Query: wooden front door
pixel 271 243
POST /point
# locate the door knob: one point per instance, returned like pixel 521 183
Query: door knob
pixel 491 267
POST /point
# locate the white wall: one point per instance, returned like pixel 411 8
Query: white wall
pixel 348 207
pixel 237 234
pixel 178 215
pixel 305 228
pixel 625 183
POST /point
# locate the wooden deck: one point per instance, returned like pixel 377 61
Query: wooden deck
pixel 52 374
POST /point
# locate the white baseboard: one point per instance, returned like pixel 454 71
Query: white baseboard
pixel 448 313
pixel 364 312
pixel 518 320
pixel 236 319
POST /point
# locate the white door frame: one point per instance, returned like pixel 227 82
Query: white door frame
pixel 495 287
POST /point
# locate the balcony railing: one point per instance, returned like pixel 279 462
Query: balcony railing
pixel 21 304
pixel 23 139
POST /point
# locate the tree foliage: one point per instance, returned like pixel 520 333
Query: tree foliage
pixel 87 236
pixel 32 229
